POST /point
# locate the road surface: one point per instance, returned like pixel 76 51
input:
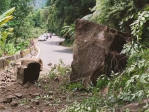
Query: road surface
pixel 51 52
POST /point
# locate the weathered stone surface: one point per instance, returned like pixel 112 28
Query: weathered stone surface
pixel 64 97
pixel 36 102
pixel 18 95
pixel 96 48
pixel 28 69
pixel 51 93
pixel 46 103
pixel 9 99
pixel 135 107
pixel 2 100
pixel 14 104
pixel 2 107
pixel 35 95
pixel 11 96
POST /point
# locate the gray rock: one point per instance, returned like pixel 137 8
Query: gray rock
pixel 27 107
pixel 36 102
pixel 12 96
pixel 9 99
pixel 14 104
pixel 35 95
pixel 51 93
pixel 28 70
pixel 18 95
pixel 2 100
pixel 63 97
pixel 46 104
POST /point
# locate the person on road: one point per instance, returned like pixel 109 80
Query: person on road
pixel 50 35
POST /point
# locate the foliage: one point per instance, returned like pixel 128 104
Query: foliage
pixel 4 5
pixel 59 70
pixel 68 32
pixel 24 24
pixel 22 10
pixel 68 42
pixel 63 13
pixel 112 12
pixel 138 25
pixel 132 84
pixel 22 45
pixel 4 18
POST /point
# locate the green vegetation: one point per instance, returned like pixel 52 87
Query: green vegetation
pixel 130 16
pixel 27 23
pixel 62 15
pixel 4 18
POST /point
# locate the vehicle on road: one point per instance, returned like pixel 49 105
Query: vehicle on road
pixel 54 34
pixel 46 35
pixel 42 38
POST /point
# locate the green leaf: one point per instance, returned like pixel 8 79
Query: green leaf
pixel 146 15
pixel 142 18
pixel 7 13
pixel 142 79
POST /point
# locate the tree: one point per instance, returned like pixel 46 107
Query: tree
pixel 4 5
pixel 23 8
pixel 67 11
pixel 4 18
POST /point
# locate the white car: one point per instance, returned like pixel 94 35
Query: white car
pixel 54 34
pixel 42 38
pixel 46 35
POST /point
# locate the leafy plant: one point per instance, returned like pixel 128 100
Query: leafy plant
pixel 59 69
pixel 68 32
pixel 4 18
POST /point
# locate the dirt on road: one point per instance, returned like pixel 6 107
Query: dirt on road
pixel 46 95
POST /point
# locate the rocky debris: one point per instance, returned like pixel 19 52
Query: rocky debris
pixel 3 100
pixel 64 97
pixel 46 103
pixel 41 111
pixel 97 51
pixel 27 107
pixel 2 107
pixel 51 93
pixel 2 87
pixel 14 104
pixel 28 70
pixel 6 77
pixel 35 95
pixel 49 64
pixel 9 99
pixel 36 102
pixel 135 107
pixel 58 79
pixel 18 95
pixel 28 84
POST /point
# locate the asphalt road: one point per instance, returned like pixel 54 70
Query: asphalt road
pixel 51 52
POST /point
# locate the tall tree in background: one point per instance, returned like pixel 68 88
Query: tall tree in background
pixel 4 5
pixel 23 8
pixel 67 11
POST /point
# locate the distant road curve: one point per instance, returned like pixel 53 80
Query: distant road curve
pixel 51 52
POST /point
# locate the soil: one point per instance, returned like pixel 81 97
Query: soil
pixel 46 95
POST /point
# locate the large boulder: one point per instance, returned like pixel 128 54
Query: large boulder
pixel 28 69
pixel 97 51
